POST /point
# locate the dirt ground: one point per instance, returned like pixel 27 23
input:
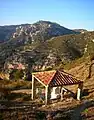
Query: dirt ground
pixel 68 109
pixel 26 91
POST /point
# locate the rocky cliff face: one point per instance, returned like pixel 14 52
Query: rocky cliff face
pixel 39 31
pixel 40 47
pixel 48 54
pixel 19 38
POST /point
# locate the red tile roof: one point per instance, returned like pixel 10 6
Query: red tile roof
pixel 62 78
pixel 56 78
pixel 45 77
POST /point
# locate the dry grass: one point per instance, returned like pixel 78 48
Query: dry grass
pixel 12 84
pixel 69 108
pixel 13 90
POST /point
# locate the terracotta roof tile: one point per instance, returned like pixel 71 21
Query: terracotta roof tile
pixel 45 77
pixel 56 78
pixel 62 78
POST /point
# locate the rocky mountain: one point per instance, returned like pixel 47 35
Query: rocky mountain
pixel 80 30
pixel 46 55
pixel 6 32
pixel 39 31
pixel 51 50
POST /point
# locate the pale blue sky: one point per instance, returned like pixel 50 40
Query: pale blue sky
pixel 69 13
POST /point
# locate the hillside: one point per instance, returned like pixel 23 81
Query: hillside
pixel 7 31
pixel 74 53
pixel 49 54
pixel 19 42
pixel 80 30
pixel 18 98
pixel 39 31
pixel 47 49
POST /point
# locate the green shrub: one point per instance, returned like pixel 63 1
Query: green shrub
pixel 16 74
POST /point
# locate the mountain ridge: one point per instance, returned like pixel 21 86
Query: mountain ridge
pixel 43 54
pixel 46 29
pixel 48 54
